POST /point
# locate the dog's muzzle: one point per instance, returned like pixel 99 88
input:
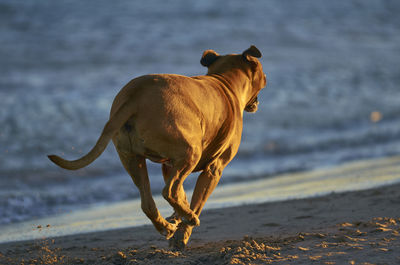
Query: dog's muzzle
pixel 252 106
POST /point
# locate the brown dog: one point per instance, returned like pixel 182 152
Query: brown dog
pixel 186 123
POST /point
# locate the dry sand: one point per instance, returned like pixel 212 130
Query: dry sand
pixel 361 227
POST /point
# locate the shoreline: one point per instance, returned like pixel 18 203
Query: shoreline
pixel 359 175
pixel 348 227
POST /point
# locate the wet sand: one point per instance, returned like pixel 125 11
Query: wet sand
pixel 359 227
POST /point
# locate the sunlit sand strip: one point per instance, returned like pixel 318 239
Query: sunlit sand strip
pixel 351 176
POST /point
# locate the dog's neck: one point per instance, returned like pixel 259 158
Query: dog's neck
pixel 237 84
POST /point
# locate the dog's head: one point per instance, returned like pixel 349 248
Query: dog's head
pixel 246 62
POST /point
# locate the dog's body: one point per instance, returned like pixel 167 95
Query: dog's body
pixel 186 123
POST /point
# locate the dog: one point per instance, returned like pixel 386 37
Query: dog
pixel 187 124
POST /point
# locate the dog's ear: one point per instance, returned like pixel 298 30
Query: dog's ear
pixel 253 52
pixel 209 56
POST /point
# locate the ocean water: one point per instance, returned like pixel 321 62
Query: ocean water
pixel 333 93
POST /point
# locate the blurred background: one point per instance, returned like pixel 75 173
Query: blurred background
pixel 333 93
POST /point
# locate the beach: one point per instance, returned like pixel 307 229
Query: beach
pixel 317 174
pixel 351 227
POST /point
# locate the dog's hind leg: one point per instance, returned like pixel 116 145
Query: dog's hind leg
pixel 137 169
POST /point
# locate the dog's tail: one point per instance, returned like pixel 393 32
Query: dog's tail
pixel 112 126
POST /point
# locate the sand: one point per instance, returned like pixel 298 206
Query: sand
pixel 359 227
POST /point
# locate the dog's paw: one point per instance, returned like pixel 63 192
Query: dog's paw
pixel 169 230
pixel 194 221
pixel 176 245
pixel 174 219
pixel 181 237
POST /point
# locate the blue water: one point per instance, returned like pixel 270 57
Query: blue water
pixel 330 64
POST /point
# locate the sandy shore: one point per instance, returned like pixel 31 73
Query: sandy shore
pixel 360 227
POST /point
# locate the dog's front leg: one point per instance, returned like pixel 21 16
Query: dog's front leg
pixel 174 218
pixel 173 191
pixel 205 185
